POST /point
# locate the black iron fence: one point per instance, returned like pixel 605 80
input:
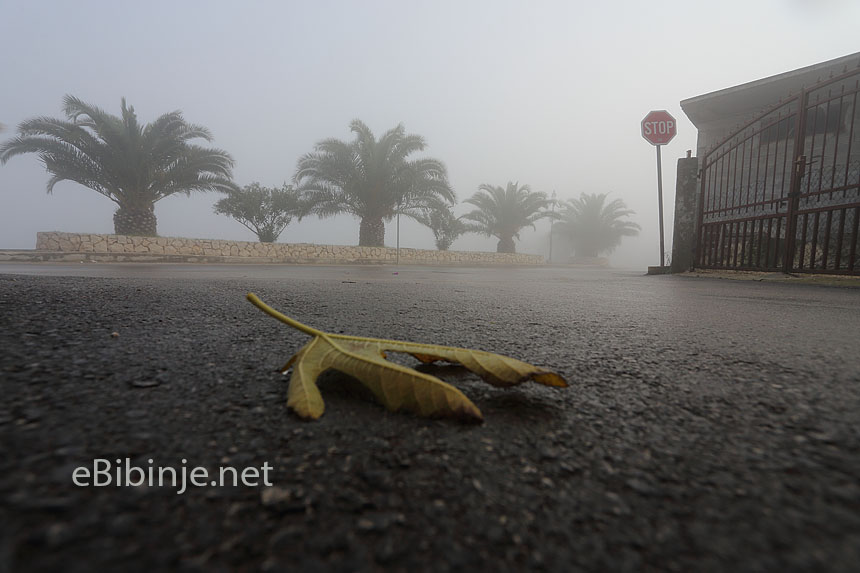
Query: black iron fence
pixel 782 193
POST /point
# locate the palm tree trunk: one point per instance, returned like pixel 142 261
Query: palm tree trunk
pixel 135 221
pixel 506 245
pixel 371 232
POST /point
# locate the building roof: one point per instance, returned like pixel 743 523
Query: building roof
pixel 731 105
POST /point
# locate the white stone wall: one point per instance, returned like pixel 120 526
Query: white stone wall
pixel 173 247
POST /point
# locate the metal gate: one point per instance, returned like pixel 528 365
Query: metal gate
pixel 783 192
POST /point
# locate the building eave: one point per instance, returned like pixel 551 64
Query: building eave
pixel 731 104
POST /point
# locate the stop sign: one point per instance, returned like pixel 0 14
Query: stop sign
pixel 659 127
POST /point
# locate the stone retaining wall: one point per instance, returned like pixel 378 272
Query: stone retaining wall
pixel 173 248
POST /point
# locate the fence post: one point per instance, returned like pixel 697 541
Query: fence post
pixel 684 235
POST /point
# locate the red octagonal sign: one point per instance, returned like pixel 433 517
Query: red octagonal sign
pixel 659 127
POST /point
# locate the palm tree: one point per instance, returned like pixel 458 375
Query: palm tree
pixel 372 180
pixel 263 210
pixel 132 165
pixel 593 226
pixel 503 211
pixel 446 227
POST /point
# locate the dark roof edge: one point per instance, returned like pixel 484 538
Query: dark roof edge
pixel 843 60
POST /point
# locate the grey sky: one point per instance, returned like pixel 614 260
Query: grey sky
pixel 545 93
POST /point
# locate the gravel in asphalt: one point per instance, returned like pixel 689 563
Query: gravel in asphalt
pixel 709 425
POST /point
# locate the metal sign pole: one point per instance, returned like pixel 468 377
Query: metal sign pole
pixel 659 128
pixel 660 201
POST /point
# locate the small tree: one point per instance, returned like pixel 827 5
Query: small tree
pixel 595 226
pixel 264 210
pixel 503 211
pixel 446 227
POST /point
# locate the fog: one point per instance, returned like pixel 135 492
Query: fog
pixel 548 94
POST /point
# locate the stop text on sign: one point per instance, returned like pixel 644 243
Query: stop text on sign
pixel 659 127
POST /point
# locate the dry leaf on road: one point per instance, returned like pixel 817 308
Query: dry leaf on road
pixel 396 387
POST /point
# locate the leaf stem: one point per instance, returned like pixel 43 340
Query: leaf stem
pixel 253 299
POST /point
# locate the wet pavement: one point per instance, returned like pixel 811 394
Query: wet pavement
pixel 709 425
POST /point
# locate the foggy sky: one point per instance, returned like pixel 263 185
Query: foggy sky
pixel 548 94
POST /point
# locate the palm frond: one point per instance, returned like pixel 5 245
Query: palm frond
pixel 504 211
pixel 130 163
pixel 594 226
pixel 369 177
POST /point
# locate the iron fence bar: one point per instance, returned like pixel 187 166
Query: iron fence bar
pixel 807 109
pixel 715 241
pixel 716 235
pixel 844 188
pixel 740 162
pixel 814 251
pixel 830 96
pixel 810 210
pixel 714 156
pixel 851 137
pixel 710 245
pixel 759 204
pixel 752 187
pixel 777 241
pixel 836 142
pixel 724 170
pixel 767 252
pixel 775 165
pixel 825 250
pixel 727 244
pixel 718 253
pixel 837 78
pixel 839 237
pixel 769 174
pixel 732 259
pixel 731 181
pixel 711 182
pixel 761 217
pixel 823 139
pixel 718 230
pixel 743 154
pixel 718 241
pixel 766 112
pixel 803 241
pixel 794 185
pixel 766 165
pixel 852 253
pixel 758 171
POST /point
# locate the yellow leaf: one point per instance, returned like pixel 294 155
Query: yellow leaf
pixel 396 387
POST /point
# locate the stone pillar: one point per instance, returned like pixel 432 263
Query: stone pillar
pixel 684 237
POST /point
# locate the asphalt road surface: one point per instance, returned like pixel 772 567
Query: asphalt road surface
pixel 710 425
